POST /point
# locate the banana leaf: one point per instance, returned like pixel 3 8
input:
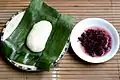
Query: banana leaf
pixel 14 47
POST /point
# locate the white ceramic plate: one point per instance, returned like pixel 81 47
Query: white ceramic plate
pixel 10 27
pixel 94 22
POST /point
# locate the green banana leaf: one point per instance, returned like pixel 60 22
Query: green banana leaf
pixel 15 47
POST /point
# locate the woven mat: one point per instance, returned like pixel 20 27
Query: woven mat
pixel 70 67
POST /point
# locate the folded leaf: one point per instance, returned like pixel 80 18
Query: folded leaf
pixel 15 47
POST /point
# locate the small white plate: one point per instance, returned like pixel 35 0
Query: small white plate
pixel 94 22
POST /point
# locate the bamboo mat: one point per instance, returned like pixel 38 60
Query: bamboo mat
pixel 70 67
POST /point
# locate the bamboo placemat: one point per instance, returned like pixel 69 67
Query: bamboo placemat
pixel 70 67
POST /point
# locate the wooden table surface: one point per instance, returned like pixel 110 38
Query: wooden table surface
pixel 70 67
